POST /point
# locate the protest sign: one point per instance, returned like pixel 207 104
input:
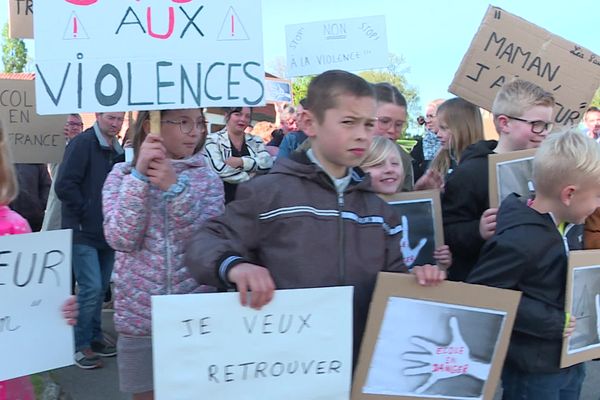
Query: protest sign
pixel 510 172
pixel 278 90
pixel 422 229
pixel 583 302
pixel 33 138
pixel 507 46
pixel 350 44
pixel 129 55
pixel 20 19
pixel 35 281
pixel 297 347
pixel 424 343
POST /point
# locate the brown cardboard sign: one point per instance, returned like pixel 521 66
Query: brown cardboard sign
pixel 507 46
pixel 424 343
pixel 33 138
pixel 20 19
pixel 422 229
pixel 582 301
pixel 429 343
pixel 510 172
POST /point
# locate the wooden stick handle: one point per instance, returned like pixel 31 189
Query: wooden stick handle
pixel 155 122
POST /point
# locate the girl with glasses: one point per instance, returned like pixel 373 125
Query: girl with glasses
pixel 151 207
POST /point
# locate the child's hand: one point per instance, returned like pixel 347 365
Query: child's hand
pixel 161 173
pixel 570 328
pixel 151 149
pixel 255 279
pixel 428 275
pixel 443 257
pixel 70 310
pixel 235 162
pixel 430 180
pixel 487 223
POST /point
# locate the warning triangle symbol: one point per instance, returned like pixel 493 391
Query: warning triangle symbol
pixel 75 29
pixel 232 27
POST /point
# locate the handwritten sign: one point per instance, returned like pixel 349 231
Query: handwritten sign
pixel 35 281
pixel 154 54
pixel 32 138
pixel 20 19
pixel 507 46
pixel 299 346
pixel 351 44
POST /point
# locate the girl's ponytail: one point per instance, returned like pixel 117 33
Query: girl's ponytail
pixel 9 188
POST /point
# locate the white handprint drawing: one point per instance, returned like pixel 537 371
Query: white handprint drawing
pixel 444 361
pixel 409 254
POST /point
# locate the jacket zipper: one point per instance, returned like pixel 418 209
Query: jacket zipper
pixel 341 240
pixel 168 250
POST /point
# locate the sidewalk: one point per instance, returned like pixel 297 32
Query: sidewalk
pixel 95 384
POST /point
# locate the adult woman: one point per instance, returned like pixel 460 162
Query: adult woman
pixel 234 155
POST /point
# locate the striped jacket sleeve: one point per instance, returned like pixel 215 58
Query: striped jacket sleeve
pixel 214 151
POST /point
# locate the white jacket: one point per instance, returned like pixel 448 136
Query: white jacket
pixel 218 149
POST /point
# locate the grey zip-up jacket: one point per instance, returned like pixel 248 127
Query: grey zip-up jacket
pixel 293 222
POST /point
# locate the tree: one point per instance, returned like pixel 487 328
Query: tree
pixel 300 87
pixel 596 100
pixel 14 52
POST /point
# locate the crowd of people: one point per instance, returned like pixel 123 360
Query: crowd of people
pixel 197 212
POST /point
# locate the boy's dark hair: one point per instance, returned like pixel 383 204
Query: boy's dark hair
pixel 230 110
pixel 388 93
pixel 326 87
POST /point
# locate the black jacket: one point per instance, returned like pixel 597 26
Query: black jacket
pixel 34 186
pixel 527 253
pixel 465 198
pixel 78 185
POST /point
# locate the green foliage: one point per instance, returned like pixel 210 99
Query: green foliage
pixel 14 52
pixel 300 87
pixel 596 100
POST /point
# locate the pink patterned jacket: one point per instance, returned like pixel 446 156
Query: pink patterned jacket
pixel 148 230
pixel 11 223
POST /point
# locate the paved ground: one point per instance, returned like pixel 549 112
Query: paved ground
pixel 103 384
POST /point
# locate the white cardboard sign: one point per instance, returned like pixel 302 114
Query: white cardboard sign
pixel 94 56
pixel 298 347
pixel 350 44
pixel 35 281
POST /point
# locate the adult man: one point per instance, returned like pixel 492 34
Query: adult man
pixel 591 120
pixel 426 149
pixel 52 217
pixel 88 159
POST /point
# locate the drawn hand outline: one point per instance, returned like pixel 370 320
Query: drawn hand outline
pixel 409 255
pixel 444 361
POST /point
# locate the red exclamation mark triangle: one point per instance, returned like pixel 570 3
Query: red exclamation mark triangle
pixel 75 29
pixel 232 27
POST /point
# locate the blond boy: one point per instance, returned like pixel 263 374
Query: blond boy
pixel 523 118
pixel 529 253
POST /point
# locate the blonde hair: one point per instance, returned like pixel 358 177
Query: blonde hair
pixel 9 187
pixel 565 159
pixel 465 122
pixel 381 148
pixel 517 97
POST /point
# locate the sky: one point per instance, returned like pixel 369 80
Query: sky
pixel 431 35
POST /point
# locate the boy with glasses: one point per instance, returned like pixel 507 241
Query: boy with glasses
pixel 523 118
